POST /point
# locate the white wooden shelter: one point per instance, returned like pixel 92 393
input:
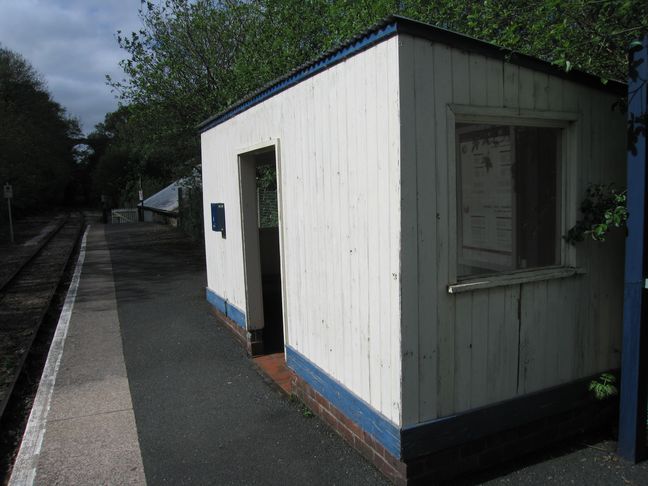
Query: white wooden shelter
pixel 425 180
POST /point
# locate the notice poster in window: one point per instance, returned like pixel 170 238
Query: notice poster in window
pixel 485 154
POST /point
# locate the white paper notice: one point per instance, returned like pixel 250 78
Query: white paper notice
pixel 486 157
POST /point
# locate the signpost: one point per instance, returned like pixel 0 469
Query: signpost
pixel 8 194
pixel 140 209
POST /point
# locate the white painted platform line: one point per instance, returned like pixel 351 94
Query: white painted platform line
pixel 24 470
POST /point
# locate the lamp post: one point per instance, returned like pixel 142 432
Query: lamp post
pixel 8 194
pixel 140 209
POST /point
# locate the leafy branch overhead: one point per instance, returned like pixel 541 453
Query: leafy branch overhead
pixel 193 58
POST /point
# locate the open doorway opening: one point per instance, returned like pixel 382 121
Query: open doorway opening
pixel 260 212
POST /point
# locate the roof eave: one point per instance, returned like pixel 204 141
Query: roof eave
pixel 386 29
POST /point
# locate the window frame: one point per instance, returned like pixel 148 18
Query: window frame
pixel 567 173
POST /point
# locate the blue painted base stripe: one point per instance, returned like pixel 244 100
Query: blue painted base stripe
pixel 360 412
pixel 216 301
pixel 235 314
pixel 224 307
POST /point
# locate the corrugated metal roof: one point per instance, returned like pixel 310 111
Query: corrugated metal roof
pixel 165 200
pixel 402 25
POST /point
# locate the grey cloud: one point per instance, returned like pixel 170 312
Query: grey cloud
pixel 72 44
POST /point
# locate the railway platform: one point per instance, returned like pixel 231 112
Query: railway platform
pixel 143 386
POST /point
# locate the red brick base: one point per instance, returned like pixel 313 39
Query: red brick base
pixel 250 340
pixel 362 442
pixel 446 464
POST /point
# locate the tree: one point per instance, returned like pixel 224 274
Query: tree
pixel 36 136
pixel 119 163
pixel 194 58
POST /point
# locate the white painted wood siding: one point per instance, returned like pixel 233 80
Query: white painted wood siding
pixel 340 187
pixel 475 348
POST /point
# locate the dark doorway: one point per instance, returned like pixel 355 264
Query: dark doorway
pixel 268 215
pixel 260 210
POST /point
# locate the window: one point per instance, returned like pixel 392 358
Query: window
pixel 508 198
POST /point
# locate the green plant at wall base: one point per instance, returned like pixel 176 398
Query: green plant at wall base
pixel 301 406
pixel 603 208
pixel 306 412
pixel 603 386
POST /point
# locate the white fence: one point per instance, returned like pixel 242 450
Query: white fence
pixel 126 215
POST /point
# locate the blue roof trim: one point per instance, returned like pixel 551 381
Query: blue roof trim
pixel 320 65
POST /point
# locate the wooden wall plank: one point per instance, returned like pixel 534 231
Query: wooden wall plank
pixel 540 90
pixel 495 82
pixel 511 85
pixel 384 261
pixel 463 378
pixel 427 234
pixel 394 221
pixel 584 254
pixel 478 80
pixel 525 89
pixel 374 226
pixel 555 94
pixel 502 344
pixel 511 344
pixel 567 339
pixel 332 230
pixel 451 85
pixel 533 329
pixel 409 236
pixel 479 349
pixel 353 153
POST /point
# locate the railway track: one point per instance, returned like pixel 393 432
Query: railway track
pixel 26 296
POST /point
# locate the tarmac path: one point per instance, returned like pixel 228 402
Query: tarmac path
pixel 204 415
pixel 145 387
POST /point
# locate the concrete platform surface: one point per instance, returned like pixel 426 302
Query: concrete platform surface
pixel 152 390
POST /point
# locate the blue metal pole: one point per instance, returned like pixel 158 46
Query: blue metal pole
pixel 632 413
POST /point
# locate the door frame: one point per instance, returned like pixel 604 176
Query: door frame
pixel 250 239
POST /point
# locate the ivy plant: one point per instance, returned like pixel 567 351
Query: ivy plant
pixel 602 209
pixel 604 386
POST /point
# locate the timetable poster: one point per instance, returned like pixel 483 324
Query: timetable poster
pixel 487 197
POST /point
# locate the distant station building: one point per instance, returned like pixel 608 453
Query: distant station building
pixel 163 206
pixel 416 273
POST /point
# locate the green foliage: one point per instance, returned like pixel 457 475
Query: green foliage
pixel 301 406
pixel 194 58
pixel 604 386
pixel 191 210
pixel 267 177
pixel 266 181
pixel 603 208
pixel 120 164
pixel 36 136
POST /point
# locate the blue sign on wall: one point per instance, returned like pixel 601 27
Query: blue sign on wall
pixel 218 218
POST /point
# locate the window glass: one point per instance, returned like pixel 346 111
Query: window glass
pixel 507 198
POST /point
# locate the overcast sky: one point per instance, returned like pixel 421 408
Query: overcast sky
pixel 72 44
